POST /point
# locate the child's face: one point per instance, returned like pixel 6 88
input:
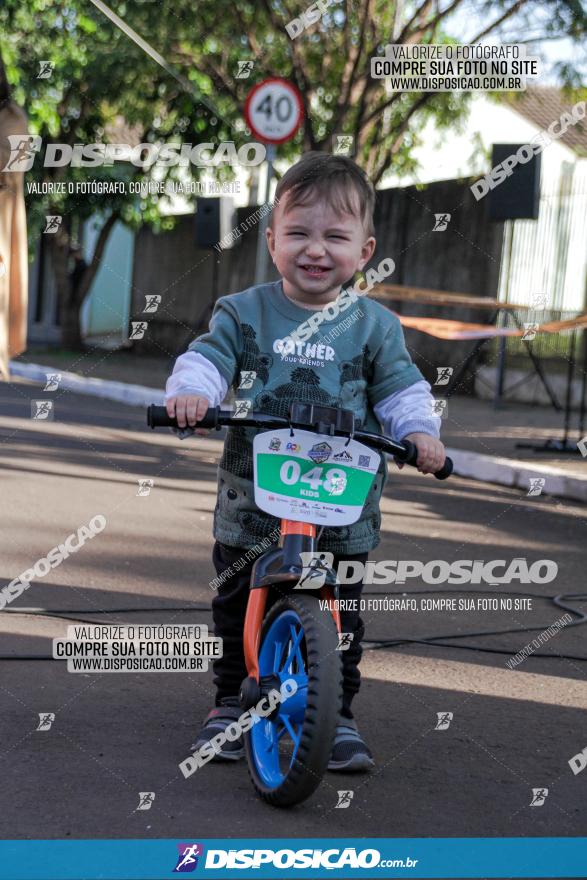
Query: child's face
pixel 316 249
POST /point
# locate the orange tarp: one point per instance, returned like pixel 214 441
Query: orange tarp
pixel 443 328
pixel 406 293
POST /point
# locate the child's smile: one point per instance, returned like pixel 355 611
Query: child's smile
pixel 316 249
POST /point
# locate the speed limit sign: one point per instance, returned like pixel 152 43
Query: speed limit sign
pixel 274 110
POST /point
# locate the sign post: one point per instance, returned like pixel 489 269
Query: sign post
pixel 273 112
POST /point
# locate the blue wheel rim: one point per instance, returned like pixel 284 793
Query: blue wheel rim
pixel 274 742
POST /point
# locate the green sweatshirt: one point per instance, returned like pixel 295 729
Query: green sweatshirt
pixel 354 360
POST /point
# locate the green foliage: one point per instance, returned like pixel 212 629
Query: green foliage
pixel 102 80
pixel 101 84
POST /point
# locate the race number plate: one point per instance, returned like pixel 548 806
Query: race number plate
pixel 312 477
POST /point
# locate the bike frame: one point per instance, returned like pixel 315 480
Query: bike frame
pixel 281 566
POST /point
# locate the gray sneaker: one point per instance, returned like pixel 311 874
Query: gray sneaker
pixel 349 752
pixel 216 722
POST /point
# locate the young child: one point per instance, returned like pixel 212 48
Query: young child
pixel 320 234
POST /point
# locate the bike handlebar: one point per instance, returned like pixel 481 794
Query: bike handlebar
pixel 217 418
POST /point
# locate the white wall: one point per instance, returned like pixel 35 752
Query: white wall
pixel 445 155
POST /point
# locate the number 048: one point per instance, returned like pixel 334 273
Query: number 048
pixel 334 478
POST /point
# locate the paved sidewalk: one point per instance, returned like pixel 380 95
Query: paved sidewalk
pixel 121 365
pixel 481 439
pixel 115 735
pixel 476 425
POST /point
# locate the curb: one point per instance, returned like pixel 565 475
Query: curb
pixel 515 473
pixel 473 465
pixel 133 395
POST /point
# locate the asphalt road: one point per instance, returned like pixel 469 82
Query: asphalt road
pixel 115 735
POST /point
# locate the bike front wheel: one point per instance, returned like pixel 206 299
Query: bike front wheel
pixel 288 751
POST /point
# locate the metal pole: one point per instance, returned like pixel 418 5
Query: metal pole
pixel 501 356
pixel 568 397
pixel 583 385
pixel 262 251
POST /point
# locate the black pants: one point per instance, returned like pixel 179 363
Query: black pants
pixel 228 610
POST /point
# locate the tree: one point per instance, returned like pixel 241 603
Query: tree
pixel 100 82
pixel 101 78
pixel 330 61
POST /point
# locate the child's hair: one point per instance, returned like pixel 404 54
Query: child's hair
pixel 333 178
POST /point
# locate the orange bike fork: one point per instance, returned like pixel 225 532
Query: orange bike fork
pixel 253 622
pixel 295 536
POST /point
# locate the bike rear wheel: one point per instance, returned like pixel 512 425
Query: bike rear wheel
pixel 288 751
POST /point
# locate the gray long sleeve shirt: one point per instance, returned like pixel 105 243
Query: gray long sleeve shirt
pixel 355 360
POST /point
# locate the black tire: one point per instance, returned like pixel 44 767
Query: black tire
pixel 324 669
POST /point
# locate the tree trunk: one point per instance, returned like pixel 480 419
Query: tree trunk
pixel 69 304
pixel 71 338
pixel 73 287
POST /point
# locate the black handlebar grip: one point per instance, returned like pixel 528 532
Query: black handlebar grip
pixel 411 453
pixel 446 469
pixel 412 458
pixel 157 417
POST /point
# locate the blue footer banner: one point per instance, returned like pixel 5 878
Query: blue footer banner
pixel 416 857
